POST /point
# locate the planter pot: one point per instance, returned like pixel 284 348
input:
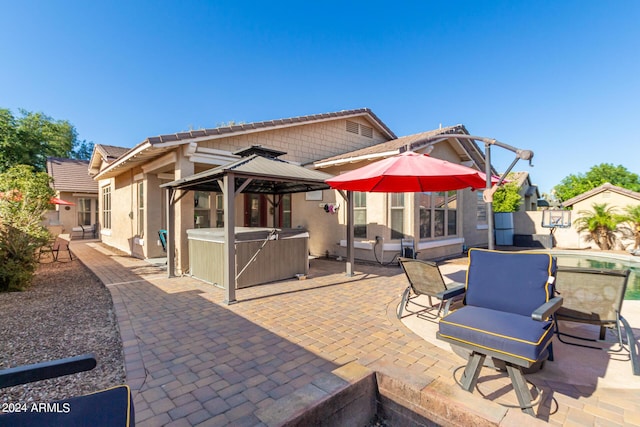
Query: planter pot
pixel 503 222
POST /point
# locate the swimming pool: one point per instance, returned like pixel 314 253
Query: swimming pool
pixel 610 262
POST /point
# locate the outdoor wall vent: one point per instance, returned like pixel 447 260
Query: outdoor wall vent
pixel 359 129
pixel 352 127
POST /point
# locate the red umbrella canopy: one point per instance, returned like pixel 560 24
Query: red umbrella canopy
pixel 58 201
pixel 409 172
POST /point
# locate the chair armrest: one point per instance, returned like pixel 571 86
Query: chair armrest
pixel 548 308
pixel 45 370
pixel 451 292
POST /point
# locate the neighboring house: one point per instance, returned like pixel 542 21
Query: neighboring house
pixel 72 183
pixel 530 223
pixel 614 196
pixel 528 191
pixel 133 208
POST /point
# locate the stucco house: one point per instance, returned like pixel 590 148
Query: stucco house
pixel 72 183
pixel 612 195
pixel 133 207
pixel 528 191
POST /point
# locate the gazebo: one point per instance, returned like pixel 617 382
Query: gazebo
pixel 260 171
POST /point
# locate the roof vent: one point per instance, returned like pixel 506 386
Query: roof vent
pixel 352 127
pixel 359 129
pixel 366 131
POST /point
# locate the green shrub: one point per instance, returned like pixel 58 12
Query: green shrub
pixel 24 197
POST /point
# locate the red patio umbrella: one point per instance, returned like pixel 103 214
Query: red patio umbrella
pixel 58 201
pixel 410 172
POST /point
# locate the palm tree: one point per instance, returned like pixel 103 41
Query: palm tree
pixel 601 223
pixel 631 216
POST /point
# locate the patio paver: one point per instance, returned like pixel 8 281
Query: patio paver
pixel 191 359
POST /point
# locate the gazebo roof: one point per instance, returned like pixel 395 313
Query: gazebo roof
pixel 256 174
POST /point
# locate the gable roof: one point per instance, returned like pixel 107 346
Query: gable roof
pixel 604 187
pixel 70 175
pixel 154 146
pixel 469 149
pixel 104 153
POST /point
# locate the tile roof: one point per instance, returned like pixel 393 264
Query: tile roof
pixel 71 175
pixel 240 128
pixel 110 152
pixel 604 187
pixel 155 146
pixel 410 142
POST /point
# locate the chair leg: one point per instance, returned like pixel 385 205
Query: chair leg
pixel 472 371
pixel 403 303
pixel 521 388
pixel 631 342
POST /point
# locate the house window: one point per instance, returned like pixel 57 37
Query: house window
pixel 202 209
pixel 285 211
pixel 360 214
pixel 84 211
pixel 397 215
pixel 106 207
pixel 438 214
pixel 219 210
pixel 481 210
pixel 141 208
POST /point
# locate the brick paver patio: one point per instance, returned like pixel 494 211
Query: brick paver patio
pixel 191 360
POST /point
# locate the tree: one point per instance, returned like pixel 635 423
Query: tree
pixel 601 223
pixel 574 185
pixel 30 138
pixel 25 195
pixel 631 216
pixel 82 150
pixel 507 198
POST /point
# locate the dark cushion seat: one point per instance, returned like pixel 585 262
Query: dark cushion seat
pixel 506 333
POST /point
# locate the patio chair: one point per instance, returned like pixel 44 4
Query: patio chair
pixel 162 235
pixel 110 407
pixel 425 278
pixel 53 247
pixel 507 316
pixel 594 296
pixel 86 230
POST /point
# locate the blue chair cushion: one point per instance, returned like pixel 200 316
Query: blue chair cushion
pixel 515 282
pixel 502 332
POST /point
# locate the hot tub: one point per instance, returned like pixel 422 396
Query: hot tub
pixel 262 254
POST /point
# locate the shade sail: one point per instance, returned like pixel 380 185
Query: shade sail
pixel 409 172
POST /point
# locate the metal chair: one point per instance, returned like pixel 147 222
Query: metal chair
pixel 506 316
pixel 110 407
pixel 425 278
pixel 53 247
pixel 594 296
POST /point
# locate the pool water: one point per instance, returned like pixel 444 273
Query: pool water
pixel 633 286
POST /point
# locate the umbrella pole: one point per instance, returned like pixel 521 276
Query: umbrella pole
pixel 350 235
pixel 489 200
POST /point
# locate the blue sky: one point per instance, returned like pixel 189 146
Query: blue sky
pixel 558 77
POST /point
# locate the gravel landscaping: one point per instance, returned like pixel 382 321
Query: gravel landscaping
pixel 66 312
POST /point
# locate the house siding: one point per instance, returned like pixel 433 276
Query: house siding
pixel 304 143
